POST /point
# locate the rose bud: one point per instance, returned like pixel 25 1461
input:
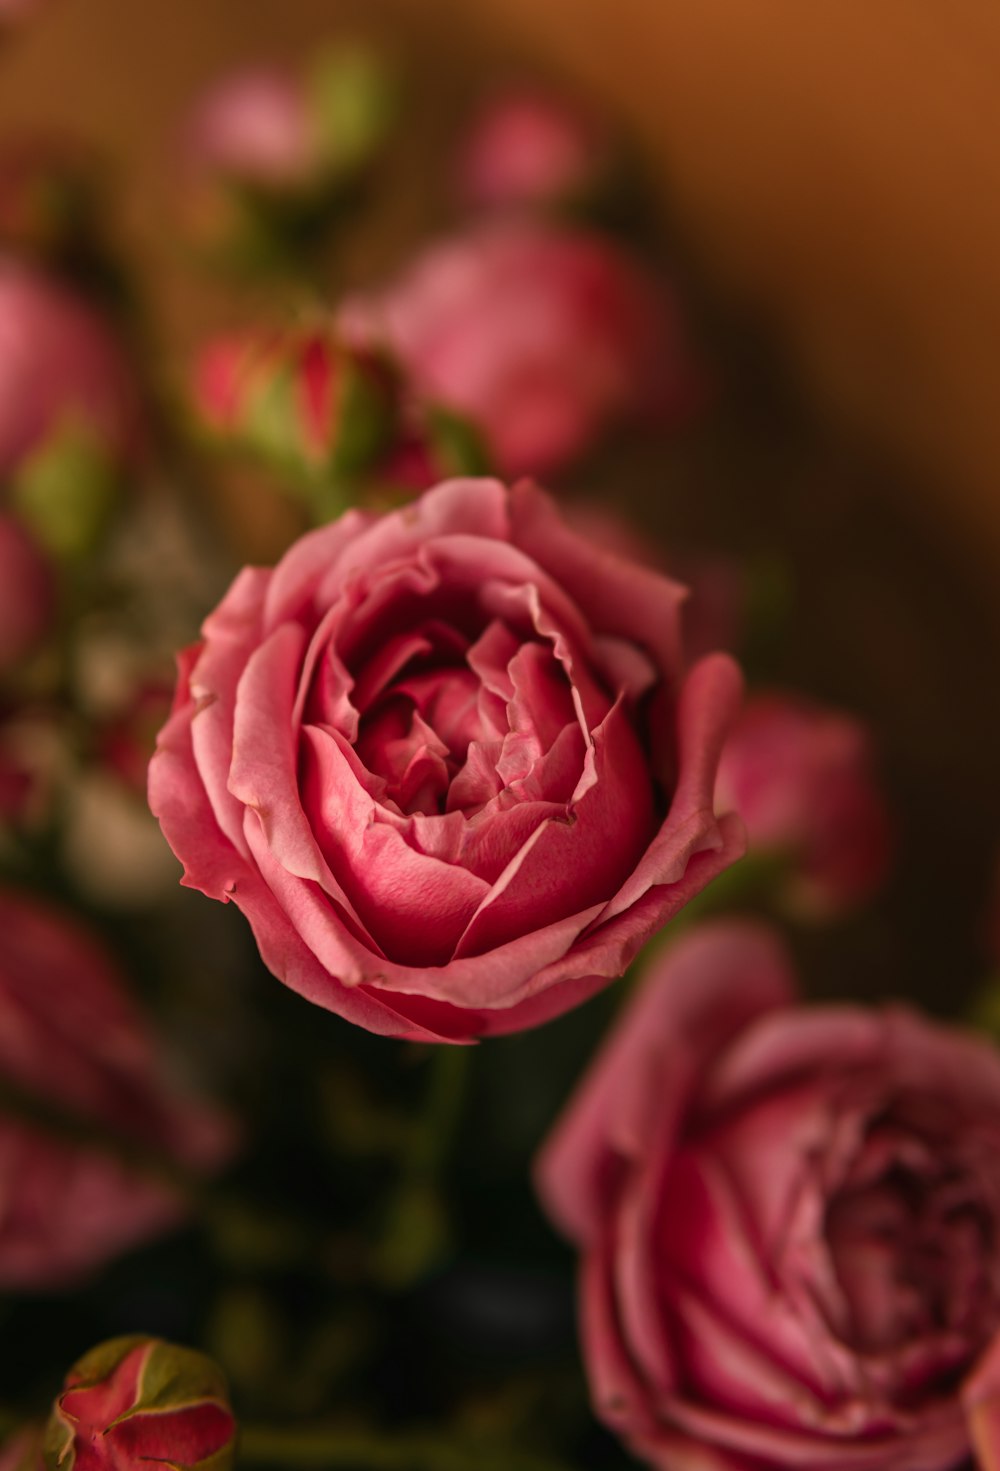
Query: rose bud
pixel 27 594
pixel 297 399
pixel 135 1401
pixel 272 155
pixel 448 763
pixel 801 775
pixel 543 338
pixel 528 148
pixel 789 1220
pixel 72 1048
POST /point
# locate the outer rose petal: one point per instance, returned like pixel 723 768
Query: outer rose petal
pixel 703 992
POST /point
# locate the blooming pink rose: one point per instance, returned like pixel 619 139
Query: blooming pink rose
pixel 71 1042
pixel 543 337
pixel 801 776
pixel 527 147
pixel 134 1402
pixel 27 593
pixel 788 1220
pixel 447 763
pixel 60 366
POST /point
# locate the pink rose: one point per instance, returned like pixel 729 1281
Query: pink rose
pixel 60 367
pixel 801 775
pixel 447 763
pixel 72 1043
pixel 528 148
pixel 543 337
pixel 788 1220
pixel 134 1402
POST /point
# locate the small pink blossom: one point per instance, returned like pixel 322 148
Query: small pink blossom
pixel 254 126
pixel 529 148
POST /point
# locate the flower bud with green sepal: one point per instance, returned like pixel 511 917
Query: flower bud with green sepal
pixel 297 400
pixel 136 1399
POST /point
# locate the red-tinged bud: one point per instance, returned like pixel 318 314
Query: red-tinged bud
pixel 136 1400
pixel 295 399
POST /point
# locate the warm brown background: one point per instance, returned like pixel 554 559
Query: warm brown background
pixel 835 163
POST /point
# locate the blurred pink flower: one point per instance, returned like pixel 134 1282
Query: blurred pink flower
pixel 789 1220
pixel 70 1041
pixel 543 337
pixel 528 147
pixel 60 367
pixel 801 775
pixel 254 127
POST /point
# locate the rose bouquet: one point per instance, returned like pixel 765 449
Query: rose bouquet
pixel 442 597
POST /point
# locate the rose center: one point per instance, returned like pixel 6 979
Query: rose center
pixel 911 1252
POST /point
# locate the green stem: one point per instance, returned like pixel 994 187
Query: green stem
pixel 438 1125
pixel 317 1450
